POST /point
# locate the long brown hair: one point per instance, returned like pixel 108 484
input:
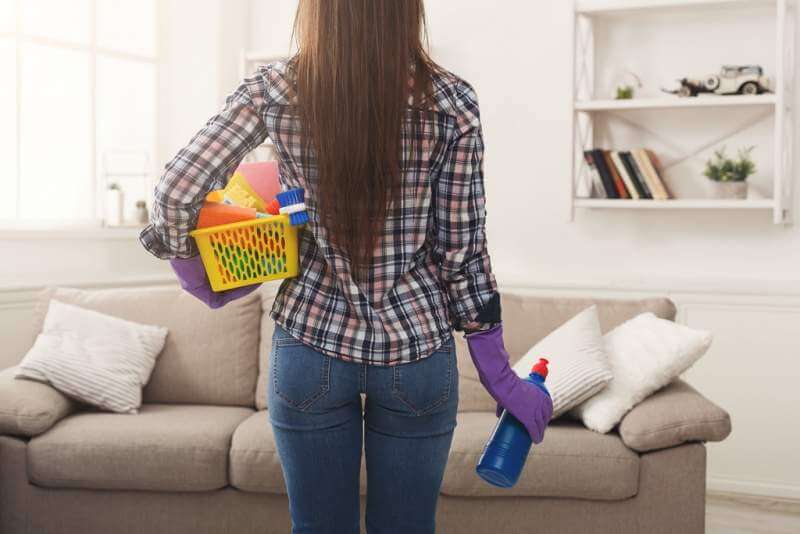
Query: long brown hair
pixel 354 62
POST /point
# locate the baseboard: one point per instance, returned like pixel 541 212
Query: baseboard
pixel 756 502
pixel 754 491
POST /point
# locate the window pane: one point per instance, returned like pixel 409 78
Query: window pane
pixel 127 25
pixel 57 19
pixel 7 16
pixel 126 127
pixel 8 130
pixel 55 138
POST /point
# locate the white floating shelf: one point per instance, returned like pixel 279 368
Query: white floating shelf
pixel 700 203
pixel 708 101
pixel 599 7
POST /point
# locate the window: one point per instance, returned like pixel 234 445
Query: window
pixel 77 109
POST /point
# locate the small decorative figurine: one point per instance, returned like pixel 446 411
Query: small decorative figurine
pixel 732 80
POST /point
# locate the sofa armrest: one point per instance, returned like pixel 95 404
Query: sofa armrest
pixel 674 415
pixel 27 407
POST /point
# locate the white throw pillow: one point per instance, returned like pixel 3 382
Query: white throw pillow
pixel 578 366
pixel 646 353
pixel 96 358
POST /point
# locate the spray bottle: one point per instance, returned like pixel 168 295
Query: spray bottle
pixel 507 449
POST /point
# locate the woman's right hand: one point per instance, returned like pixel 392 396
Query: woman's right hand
pixel 194 280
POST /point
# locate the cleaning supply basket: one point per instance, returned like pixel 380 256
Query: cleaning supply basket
pixel 248 252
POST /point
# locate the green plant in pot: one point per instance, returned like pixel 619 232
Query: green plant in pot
pixel 729 176
pixel 625 92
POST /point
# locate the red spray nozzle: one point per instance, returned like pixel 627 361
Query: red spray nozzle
pixel 541 367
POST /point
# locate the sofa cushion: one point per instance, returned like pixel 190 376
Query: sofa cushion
pixel 254 463
pixel 165 447
pixel 253 458
pixel 571 462
pixel 528 319
pixel 210 356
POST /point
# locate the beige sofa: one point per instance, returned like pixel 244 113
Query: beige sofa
pixel 200 456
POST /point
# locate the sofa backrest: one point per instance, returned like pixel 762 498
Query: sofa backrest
pixel 526 321
pixel 210 356
pixel 529 319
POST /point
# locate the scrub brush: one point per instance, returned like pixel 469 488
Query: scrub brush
pixel 292 203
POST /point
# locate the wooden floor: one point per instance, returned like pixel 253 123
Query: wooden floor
pixel 726 514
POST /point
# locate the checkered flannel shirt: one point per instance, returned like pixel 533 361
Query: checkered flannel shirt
pixel 431 270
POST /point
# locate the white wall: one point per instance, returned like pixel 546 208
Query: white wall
pixel 732 272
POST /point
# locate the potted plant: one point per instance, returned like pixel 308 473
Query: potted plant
pixel 727 176
pixel 626 88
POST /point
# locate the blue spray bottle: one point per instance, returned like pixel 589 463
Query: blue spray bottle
pixel 507 449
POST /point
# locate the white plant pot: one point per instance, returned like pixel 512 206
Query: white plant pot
pixel 727 189
pixel 114 207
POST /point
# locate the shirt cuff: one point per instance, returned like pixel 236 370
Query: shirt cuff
pixel 152 242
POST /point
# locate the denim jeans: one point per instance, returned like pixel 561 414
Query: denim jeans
pixel 405 425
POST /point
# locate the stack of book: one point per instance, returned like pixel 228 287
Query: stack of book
pixel 630 174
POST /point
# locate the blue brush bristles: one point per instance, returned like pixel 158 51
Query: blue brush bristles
pixel 293 203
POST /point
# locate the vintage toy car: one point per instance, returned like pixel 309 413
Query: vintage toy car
pixel 732 80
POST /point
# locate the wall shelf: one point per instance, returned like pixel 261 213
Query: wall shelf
pixel 593 112
pixel 601 7
pixel 602 203
pixel 676 102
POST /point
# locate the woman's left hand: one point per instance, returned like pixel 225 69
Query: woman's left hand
pixel 525 401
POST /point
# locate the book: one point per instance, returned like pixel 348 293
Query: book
pixel 605 174
pixel 618 182
pixel 657 169
pixel 635 189
pixel 597 184
pixel 653 181
pixel 634 171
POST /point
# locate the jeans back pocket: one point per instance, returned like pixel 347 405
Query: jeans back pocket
pixel 428 383
pixel 300 374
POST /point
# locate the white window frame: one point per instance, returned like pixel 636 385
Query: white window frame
pixel 93 225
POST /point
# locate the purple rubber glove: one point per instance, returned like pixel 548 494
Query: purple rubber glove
pixel 193 279
pixel 522 399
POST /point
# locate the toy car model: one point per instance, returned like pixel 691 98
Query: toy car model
pixel 732 80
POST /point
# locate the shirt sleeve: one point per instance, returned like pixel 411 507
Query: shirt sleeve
pixel 205 164
pixel 460 215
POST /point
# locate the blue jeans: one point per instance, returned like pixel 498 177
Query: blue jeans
pixel 407 424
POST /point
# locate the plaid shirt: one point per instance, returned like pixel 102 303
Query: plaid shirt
pixel 431 270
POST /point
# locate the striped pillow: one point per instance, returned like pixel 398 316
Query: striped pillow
pixel 93 357
pixel 579 366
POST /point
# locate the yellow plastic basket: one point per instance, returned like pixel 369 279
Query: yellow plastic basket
pixel 248 252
